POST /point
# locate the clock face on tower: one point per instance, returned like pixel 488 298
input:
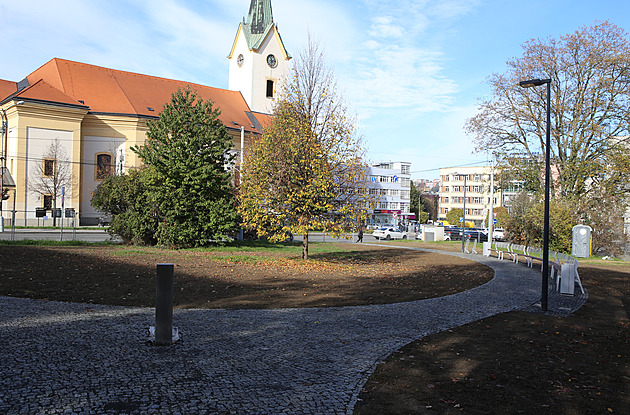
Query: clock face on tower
pixel 240 60
pixel 271 61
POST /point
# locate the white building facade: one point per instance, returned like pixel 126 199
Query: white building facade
pixel 390 183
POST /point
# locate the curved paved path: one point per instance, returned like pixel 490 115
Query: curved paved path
pixel 86 359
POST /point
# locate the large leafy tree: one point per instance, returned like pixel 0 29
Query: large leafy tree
pixel 590 122
pixel 525 225
pixel 417 204
pixel 501 214
pixel 182 196
pixel 454 216
pixel 589 72
pixel 306 172
pixel 187 150
pixel 430 203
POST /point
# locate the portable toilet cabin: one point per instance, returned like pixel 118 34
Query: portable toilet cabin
pixel 582 241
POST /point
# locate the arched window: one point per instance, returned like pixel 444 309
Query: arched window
pixel 104 166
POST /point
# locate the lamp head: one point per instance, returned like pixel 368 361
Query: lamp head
pixel 534 82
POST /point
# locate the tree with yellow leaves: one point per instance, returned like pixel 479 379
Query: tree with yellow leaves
pixel 306 172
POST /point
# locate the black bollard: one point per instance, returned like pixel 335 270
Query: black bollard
pixel 164 305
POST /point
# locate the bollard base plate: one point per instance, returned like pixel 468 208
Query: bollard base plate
pixel 151 334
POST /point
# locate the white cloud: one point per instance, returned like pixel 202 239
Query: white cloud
pixel 398 65
pixel 165 38
pixel 371 44
pixel 385 27
pixel 330 22
pixel 449 9
pixel 398 77
pixel 389 57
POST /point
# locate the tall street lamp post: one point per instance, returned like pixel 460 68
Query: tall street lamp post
pixel 491 210
pixel 464 215
pixel 545 270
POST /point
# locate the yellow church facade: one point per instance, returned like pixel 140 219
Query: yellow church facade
pixel 92 116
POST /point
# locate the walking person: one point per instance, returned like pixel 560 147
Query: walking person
pixel 360 236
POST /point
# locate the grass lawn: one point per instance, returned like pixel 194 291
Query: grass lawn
pixel 511 363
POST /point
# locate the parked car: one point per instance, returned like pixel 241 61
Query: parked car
pixel 389 233
pixel 498 234
pixel 480 235
pixel 452 233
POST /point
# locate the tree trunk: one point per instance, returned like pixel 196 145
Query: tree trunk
pixel 305 246
pixel 54 207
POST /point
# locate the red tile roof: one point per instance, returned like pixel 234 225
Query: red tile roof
pixel 7 88
pixel 111 91
pixel 43 91
pixel 263 119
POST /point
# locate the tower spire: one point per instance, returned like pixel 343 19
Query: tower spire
pixel 260 16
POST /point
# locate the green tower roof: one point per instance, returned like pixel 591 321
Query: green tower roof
pixel 258 24
pixel 260 17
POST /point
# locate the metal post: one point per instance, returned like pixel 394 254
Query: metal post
pixel 63 194
pixel 13 217
pixel 464 216
pixel 419 204
pixel 491 212
pixel 545 268
pixel 545 271
pixel 242 155
pixel 164 305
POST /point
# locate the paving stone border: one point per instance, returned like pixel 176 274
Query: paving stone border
pixel 68 358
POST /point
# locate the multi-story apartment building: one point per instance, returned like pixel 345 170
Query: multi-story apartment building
pixel 390 182
pixel 477 192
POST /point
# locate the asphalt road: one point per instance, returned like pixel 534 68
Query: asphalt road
pixel 320 237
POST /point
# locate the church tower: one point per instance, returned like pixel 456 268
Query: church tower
pixel 259 62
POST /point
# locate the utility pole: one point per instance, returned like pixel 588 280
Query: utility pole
pixel 491 212
pixel 464 216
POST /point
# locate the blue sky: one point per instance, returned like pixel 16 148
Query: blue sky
pixel 411 71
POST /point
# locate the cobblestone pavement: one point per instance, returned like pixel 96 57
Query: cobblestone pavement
pixel 65 358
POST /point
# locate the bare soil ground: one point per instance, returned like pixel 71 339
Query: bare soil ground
pixel 518 362
pixel 510 363
pixel 270 276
